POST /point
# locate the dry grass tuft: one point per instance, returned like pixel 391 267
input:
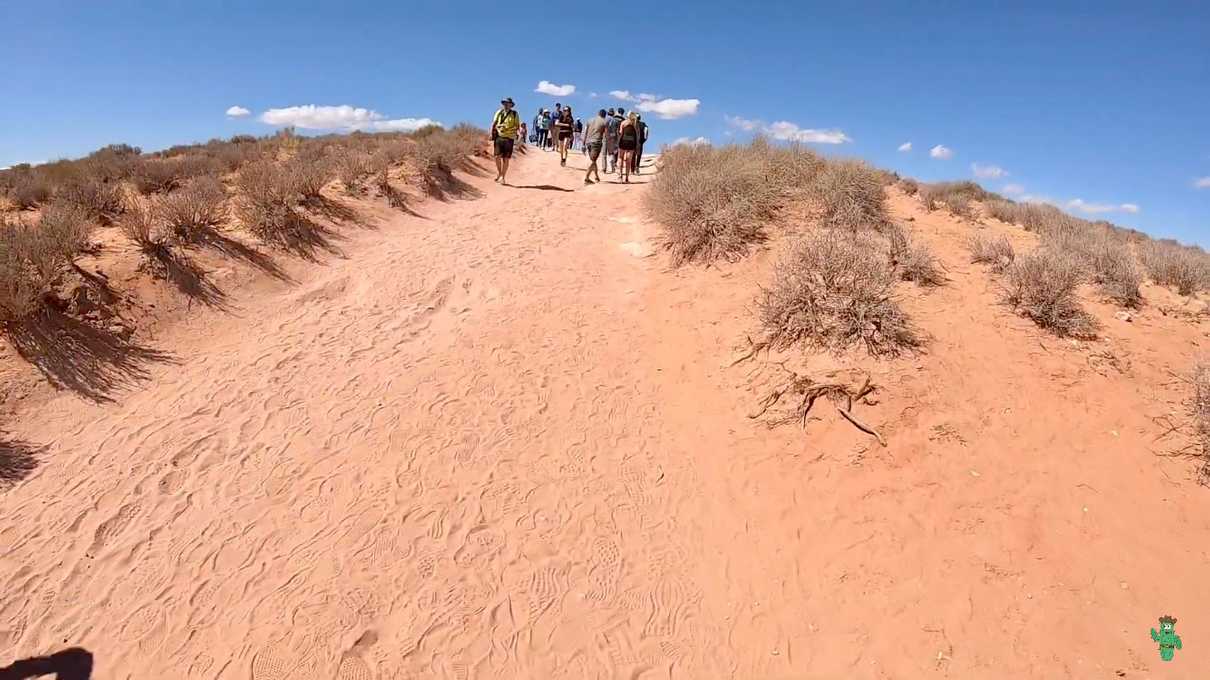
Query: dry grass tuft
pixel 29 190
pixel 995 251
pixel 1043 286
pixel 909 186
pixel 195 207
pixel 957 197
pixel 267 201
pixel 32 256
pixel 912 259
pixel 832 289
pixel 101 199
pixel 1169 264
pixel 712 201
pixel 850 196
pixel 1200 412
pixel 351 167
pixel 146 230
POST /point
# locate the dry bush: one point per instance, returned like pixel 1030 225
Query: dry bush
pixel 32 256
pixel 996 251
pixel 914 261
pixel 909 186
pixel 1043 286
pixel 351 167
pixel 100 198
pixel 1116 271
pixel 29 190
pixel 142 225
pixel 266 202
pixel 309 173
pixel 1200 412
pixel 957 197
pixel 155 175
pixel 1171 264
pixel 832 289
pixel 197 206
pixel 711 201
pixel 850 196
pixel 792 170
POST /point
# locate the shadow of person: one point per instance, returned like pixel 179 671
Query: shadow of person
pixel 543 187
pixel 70 664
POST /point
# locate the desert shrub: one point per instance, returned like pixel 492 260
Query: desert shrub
pixel 1115 271
pixel 29 190
pixel 957 197
pixel 996 251
pixel 156 175
pixel 426 131
pixel 711 201
pixel 309 171
pixel 32 256
pixel 1199 410
pixel 832 289
pixel 1043 286
pixel 266 201
pixel 100 198
pixel 909 186
pixel 791 170
pixel 850 196
pixel 1171 264
pixel 913 260
pixel 145 229
pixel 351 166
pixel 198 205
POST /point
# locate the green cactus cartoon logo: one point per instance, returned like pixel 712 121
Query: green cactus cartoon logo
pixel 1167 637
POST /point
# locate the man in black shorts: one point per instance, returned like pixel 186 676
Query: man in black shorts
pixel 505 125
pixel 594 139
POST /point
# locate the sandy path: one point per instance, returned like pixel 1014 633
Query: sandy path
pixel 499 442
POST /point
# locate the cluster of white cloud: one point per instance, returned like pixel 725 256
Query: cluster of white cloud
pixel 685 141
pixel 1098 208
pixel 237 112
pixel 988 171
pixel 789 132
pixel 906 146
pixel 547 87
pixel 1201 183
pixel 665 108
pixel 942 152
pixel 344 117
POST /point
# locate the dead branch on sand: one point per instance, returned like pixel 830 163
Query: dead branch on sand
pixel 810 391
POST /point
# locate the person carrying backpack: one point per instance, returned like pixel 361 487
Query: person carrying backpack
pixel 505 126
pixel 638 152
pixel 612 122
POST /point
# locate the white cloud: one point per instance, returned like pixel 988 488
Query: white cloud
pixel 668 109
pixel 237 112
pixel 547 87
pixel 988 171
pixel 1097 208
pixel 941 151
pixel 594 95
pixel 697 141
pixel 906 146
pixel 344 117
pixel 1013 189
pixel 1201 183
pixel 789 132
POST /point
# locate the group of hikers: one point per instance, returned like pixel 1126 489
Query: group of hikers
pixel 613 139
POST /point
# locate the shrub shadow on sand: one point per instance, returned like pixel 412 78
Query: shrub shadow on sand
pixel 87 360
pixel 18 460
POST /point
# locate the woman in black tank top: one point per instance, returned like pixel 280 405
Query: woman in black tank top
pixel 628 141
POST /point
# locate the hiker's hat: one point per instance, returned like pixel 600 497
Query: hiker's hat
pixel 507 100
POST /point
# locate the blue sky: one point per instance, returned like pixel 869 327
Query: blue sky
pixel 1102 103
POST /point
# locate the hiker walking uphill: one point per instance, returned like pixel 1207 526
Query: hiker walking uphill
pixel 628 141
pixel 614 124
pixel 594 138
pixel 566 125
pixel 638 152
pixel 505 126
